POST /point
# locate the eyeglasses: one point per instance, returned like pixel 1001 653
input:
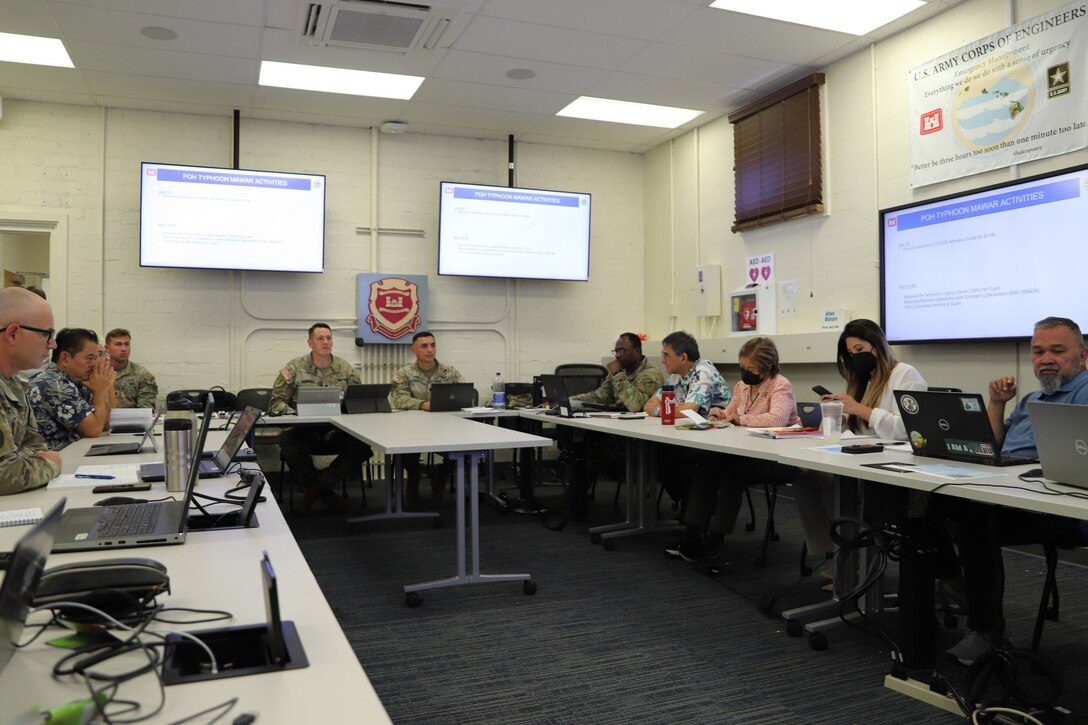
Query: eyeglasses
pixel 41 331
pixel 620 350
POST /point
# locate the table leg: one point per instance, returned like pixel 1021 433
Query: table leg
pixel 394 508
pixel 640 517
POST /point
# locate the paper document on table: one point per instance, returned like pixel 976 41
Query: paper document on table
pixel 793 431
pixel 120 472
pixel 958 473
pixel 478 410
pixel 693 416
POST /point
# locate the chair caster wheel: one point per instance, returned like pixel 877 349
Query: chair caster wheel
pixel 413 599
pixel 528 587
pixel 594 538
pixel 817 641
pixel 794 628
pixel 608 544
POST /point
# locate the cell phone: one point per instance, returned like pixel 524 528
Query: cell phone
pixel 864 448
pixel 121 487
pixel 820 390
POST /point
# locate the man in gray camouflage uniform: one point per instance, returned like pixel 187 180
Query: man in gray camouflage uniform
pixel 412 391
pixel 25 340
pixel 134 387
pixel 320 368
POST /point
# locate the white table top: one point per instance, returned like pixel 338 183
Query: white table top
pixel 213 570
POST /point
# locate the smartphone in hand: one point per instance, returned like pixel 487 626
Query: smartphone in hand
pixel 820 390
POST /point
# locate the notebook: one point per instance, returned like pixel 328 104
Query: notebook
pixel 140 524
pixel 318 401
pixel 451 396
pixel 367 399
pixel 113 449
pixel 953 426
pixel 24 573
pixel 1061 437
pixel 20 517
pixel 222 458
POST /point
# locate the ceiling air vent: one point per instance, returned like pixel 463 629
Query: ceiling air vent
pixel 392 26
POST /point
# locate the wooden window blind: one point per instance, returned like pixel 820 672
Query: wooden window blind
pixel 777 159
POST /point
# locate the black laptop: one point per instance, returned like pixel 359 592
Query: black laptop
pixel 219 463
pixel 155 523
pixel 114 449
pixel 367 399
pixel 24 573
pixel 953 426
pixel 555 390
pixel 451 396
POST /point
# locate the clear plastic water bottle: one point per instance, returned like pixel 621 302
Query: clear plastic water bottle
pixel 498 393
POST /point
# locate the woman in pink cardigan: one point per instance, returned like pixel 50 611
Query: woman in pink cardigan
pixel 763 399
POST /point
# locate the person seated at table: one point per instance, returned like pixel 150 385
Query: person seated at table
pixel 762 399
pixel 411 390
pixel 1058 360
pixel 73 395
pixel 698 386
pixel 867 364
pixel 26 336
pixel 319 368
pixel 135 386
pixel 630 382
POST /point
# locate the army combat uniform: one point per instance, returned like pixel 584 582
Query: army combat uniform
pixel 412 386
pixel 20 468
pixel 135 387
pixel 630 390
pixel 299 443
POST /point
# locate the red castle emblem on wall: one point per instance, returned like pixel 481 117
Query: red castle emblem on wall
pixel 394 307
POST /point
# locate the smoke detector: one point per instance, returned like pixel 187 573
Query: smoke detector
pixel 394 127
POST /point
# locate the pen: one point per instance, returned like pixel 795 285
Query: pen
pixel 96 476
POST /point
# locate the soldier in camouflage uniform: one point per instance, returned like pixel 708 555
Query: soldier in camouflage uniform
pixel 135 387
pixel 318 369
pixel 412 391
pixel 25 340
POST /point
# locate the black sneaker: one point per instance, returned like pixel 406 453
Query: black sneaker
pixel 697 550
pixel 673 550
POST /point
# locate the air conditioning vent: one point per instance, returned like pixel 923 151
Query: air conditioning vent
pixel 390 26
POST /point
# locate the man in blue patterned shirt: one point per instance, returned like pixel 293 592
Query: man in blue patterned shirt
pixel 73 395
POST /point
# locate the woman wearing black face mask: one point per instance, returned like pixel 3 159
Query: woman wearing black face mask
pixel 871 372
pixel 763 399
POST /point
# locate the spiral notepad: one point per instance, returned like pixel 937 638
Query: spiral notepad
pixel 20 517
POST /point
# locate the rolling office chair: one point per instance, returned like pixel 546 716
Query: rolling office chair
pixel 581 377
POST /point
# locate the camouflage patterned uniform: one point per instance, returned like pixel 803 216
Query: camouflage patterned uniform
pixel 631 390
pixel 301 372
pixel 412 386
pixel 20 468
pixel 135 387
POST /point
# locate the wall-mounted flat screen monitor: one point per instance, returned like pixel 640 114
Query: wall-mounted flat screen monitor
pixel 986 264
pixel 502 231
pixel 202 217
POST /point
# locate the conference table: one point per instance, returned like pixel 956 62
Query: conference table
pixel 212 570
pixel 456 435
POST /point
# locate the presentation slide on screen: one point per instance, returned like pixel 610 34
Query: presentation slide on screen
pixel 231 219
pixel 989 264
pixel 506 232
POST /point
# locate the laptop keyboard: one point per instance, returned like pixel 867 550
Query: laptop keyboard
pixel 128 520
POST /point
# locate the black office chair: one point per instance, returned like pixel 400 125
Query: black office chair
pixel 259 398
pixel 194 399
pixel 581 377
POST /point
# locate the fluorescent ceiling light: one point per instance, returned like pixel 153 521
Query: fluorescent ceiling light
pixel 639 114
pixel 338 80
pixel 857 17
pixel 34 50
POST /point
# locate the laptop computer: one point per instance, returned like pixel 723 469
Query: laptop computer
pixel 367 399
pixel 1061 437
pixel 114 449
pixel 155 523
pixel 953 426
pixel 24 573
pixel 451 396
pixel 318 401
pixel 219 463
pixel 555 390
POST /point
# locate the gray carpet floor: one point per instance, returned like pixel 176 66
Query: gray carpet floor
pixel 628 635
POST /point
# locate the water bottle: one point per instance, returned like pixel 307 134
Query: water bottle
pixel 668 405
pixel 176 435
pixel 498 393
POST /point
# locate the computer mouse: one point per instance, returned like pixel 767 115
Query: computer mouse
pixel 118 501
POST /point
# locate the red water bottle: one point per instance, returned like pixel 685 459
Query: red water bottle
pixel 668 405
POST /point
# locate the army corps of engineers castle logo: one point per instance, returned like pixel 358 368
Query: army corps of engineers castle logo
pixel 394 307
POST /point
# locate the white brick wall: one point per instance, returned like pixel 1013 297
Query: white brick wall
pixel 200 328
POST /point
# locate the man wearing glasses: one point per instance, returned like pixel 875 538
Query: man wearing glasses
pixel 25 340
pixel 631 379
pixel 73 396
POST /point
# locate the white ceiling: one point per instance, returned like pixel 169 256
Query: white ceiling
pixel 667 52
